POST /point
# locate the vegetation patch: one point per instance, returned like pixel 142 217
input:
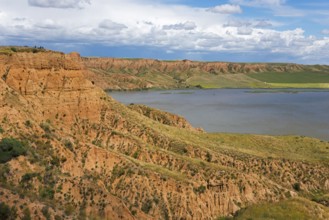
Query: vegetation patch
pixel 294 209
pixel 292 77
pixel 11 148
pixel 7 213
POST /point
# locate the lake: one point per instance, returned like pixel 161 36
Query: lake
pixel 253 111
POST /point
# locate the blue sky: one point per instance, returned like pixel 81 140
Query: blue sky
pixel 210 30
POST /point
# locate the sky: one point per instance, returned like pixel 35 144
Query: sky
pixel 295 31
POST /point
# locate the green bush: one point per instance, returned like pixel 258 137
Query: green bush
pixel 28 123
pixel 46 127
pixel 6 212
pixel 69 145
pixel 296 186
pixel 209 157
pixel 200 189
pixel 47 193
pixel 10 148
pixel 26 214
pixel 45 212
pixel 146 207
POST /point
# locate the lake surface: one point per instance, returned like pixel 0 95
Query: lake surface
pixel 260 111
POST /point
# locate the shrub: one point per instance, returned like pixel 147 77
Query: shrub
pixel 28 123
pixel 47 193
pixel 28 176
pixel 10 148
pixel 6 212
pixel 209 157
pixel 200 189
pixel 296 186
pixel 1 130
pixel 146 207
pixel 68 144
pixel 45 212
pixel 117 172
pixel 26 214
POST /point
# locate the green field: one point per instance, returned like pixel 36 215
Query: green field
pixel 292 77
pixel 300 85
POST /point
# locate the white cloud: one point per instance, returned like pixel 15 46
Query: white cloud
pixel 47 24
pixel 58 3
pixel 188 25
pixel 278 7
pixel 149 23
pixel 325 31
pixel 259 3
pixel 226 9
pixel 108 24
pixel 263 24
pixel 244 31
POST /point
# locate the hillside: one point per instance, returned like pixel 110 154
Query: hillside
pixel 70 151
pixel 130 74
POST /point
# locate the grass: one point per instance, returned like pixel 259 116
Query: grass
pixel 300 85
pixel 293 209
pixel 210 81
pixel 288 147
pixel 8 50
pixel 304 77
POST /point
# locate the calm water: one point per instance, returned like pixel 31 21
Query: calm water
pixel 296 112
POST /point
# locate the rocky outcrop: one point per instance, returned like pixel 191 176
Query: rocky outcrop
pixel 163 117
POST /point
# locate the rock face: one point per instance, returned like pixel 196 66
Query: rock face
pixel 88 155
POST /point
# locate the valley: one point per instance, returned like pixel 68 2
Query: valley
pixel 71 151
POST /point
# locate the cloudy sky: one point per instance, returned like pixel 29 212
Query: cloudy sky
pixel 223 30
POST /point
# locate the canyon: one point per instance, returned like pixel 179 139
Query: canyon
pixel 87 156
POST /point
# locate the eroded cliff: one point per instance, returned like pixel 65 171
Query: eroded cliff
pixel 130 74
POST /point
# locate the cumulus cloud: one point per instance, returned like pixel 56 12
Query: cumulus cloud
pixel 248 23
pixel 188 25
pixel 226 9
pixel 237 23
pixel 47 24
pixel 278 7
pixel 58 3
pixel 19 19
pixel 263 24
pixel 167 27
pixel 259 3
pixel 108 24
pixel 244 31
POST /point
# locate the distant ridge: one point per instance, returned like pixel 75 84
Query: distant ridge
pixel 135 74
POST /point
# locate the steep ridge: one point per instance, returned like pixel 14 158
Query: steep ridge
pixel 127 74
pixel 89 155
